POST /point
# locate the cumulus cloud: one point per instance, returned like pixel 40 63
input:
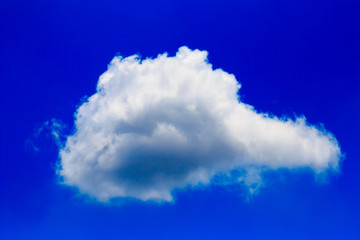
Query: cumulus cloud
pixel 161 124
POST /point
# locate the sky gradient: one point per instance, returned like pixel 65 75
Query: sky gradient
pixel 292 58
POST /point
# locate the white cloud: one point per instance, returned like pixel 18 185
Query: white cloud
pixel 170 122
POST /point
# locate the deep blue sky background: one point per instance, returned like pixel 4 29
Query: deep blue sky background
pixel 291 57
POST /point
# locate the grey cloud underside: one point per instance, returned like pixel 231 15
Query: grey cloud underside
pixel 160 124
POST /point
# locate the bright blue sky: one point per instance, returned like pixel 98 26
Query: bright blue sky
pixel 290 56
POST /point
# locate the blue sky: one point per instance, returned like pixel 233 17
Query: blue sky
pixel 291 58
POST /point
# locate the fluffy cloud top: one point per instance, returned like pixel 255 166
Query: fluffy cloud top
pixel 170 122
